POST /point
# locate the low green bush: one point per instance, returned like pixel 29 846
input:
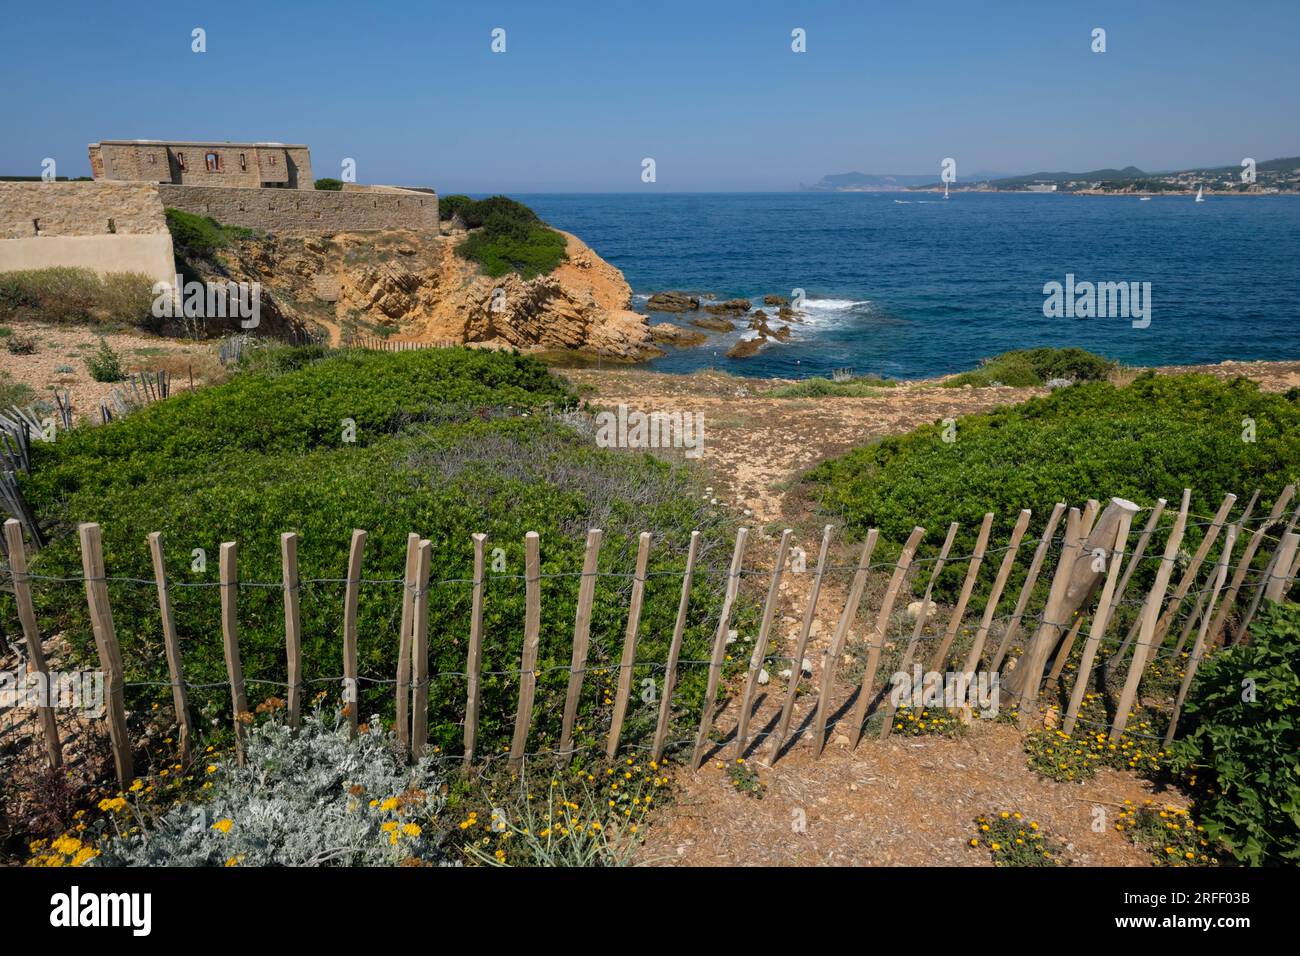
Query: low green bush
pixel 448 442
pixel 861 386
pixel 1240 741
pixel 14 393
pixel 200 236
pixel 105 365
pixel 507 237
pixel 331 185
pixel 1026 367
pixel 449 206
pixel 65 294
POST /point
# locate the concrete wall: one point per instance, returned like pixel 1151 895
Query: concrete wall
pixel 150 255
pixel 79 209
pixel 307 212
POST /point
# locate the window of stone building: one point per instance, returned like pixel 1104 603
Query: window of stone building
pixel 112 226
pixel 180 161
pixel 153 160
pixel 36 224
pixel 243 161
pixel 272 159
pixel 214 162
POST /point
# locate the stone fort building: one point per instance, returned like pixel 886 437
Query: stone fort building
pixel 116 223
pixel 249 165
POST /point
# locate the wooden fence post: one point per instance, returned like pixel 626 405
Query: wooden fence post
pixel 110 655
pixel 420 653
pixel 1198 647
pixel 351 595
pixel 581 637
pixel 719 648
pixel 796 668
pixel 402 716
pixel 230 641
pixel 967 589
pixel 831 656
pixel 1150 612
pixel 674 651
pixel 887 725
pixel 760 644
pixel 1194 567
pixel 171 644
pixel 1113 661
pixel 1248 555
pixel 629 645
pixel 995 595
pixel 32 637
pixel 1100 619
pixel 1279 580
pixel 532 632
pixel 292 624
pixel 474 664
pixel 1027 589
pixel 1272 571
pixel 876 641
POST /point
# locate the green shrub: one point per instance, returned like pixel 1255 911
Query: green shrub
pixel 449 206
pixel 332 185
pixel 1151 439
pixel 860 386
pixel 1240 741
pixel 1026 367
pixel 105 365
pixel 67 294
pixel 448 442
pixel 200 236
pixel 508 237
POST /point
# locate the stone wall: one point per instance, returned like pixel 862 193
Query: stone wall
pixel 307 212
pixel 247 165
pixel 31 209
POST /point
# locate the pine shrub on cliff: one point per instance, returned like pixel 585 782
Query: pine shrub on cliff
pixel 507 237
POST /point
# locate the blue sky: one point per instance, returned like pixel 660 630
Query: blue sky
pixel 710 89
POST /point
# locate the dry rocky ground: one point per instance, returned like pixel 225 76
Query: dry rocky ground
pixel 904 801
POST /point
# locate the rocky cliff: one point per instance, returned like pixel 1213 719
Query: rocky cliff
pixel 414 287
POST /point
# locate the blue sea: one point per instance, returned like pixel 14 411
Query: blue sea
pixel 926 287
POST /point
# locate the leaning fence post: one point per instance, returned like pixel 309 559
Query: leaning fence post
pixel 719 648
pixel 420 652
pixel 1279 579
pixel 760 644
pixel 292 624
pixel 402 708
pixel 110 655
pixel 967 589
pixel 1150 611
pixel 1027 589
pixel 831 656
pixel 1100 620
pixel 473 665
pixel 230 641
pixel 27 618
pixel 876 640
pixel 674 650
pixel 180 701
pixel 995 596
pixel 351 695
pixel 629 645
pixel 581 637
pixel 887 725
pixel 1194 567
pixel 1198 647
pixel 796 666
pixel 1248 555
pixel 532 637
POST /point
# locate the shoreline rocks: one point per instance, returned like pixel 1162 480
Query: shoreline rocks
pixel 672 302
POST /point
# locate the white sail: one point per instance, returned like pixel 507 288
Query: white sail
pixel 1199 191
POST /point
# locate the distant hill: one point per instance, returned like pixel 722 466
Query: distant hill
pixel 872 182
pixel 1096 175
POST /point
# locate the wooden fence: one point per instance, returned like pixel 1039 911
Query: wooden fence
pixel 378 344
pixel 1088 583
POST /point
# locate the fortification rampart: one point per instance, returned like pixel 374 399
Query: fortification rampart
pixel 303 212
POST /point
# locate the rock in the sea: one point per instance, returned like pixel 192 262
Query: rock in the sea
pixel 713 324
pixel 672 302
pixel 669 334
pixel 747 347
pixel 731 306
pixel 773 299
pixel 782 333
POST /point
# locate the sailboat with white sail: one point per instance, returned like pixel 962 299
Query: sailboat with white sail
pixel 1199 194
